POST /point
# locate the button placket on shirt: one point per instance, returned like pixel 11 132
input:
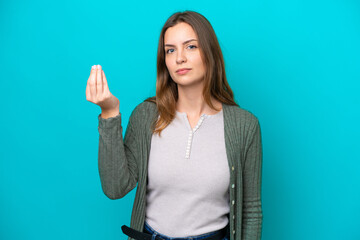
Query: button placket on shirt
pixel 191 135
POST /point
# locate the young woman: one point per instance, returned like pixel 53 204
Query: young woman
pixel 193 153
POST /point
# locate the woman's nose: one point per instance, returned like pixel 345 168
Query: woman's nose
pixel 180 57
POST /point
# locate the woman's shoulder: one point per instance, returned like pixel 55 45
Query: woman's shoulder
pixel 143 111
pixel 146 107
pixel 240 116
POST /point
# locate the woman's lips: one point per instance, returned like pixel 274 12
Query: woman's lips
pixel 182 72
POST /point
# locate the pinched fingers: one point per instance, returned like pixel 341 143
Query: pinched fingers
pixel 97 90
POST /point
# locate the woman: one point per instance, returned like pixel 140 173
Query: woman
pixel 194 153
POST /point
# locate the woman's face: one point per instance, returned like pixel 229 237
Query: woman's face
pixel 182 52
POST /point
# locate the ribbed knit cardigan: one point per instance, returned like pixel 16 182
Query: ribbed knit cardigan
pixel 123 164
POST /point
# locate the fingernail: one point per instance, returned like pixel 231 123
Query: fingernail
pixel 93 67
pixel 98 67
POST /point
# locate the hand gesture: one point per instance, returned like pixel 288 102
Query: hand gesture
pixel 97 91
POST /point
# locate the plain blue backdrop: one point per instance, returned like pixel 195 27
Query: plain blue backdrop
pixel 294 64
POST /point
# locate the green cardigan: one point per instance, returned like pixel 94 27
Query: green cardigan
pixel 123 165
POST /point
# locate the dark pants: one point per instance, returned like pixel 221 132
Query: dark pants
pixel 150 230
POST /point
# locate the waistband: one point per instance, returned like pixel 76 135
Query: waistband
pixel 219 234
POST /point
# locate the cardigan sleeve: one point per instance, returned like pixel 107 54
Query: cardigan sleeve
pixel 252 210
pixel 116 157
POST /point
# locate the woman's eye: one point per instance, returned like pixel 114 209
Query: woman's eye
pixel 170 50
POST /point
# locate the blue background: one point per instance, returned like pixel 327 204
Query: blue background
pixel 294 64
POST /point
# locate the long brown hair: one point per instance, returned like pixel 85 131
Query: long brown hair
pixel 215 83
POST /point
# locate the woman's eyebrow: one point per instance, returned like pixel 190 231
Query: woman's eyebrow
pixel 170 45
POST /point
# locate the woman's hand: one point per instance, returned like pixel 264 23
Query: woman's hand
pixel 97 91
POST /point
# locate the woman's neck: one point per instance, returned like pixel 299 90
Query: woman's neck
pixel 191 101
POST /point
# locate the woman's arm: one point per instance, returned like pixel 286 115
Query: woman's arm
pixel 117 166
pixel 117 157
pixel 252 210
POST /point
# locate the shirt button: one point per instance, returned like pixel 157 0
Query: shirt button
pixel 232 168
pixel 233 202
pixel 234 216
pixel 233 185
pixel 233 231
